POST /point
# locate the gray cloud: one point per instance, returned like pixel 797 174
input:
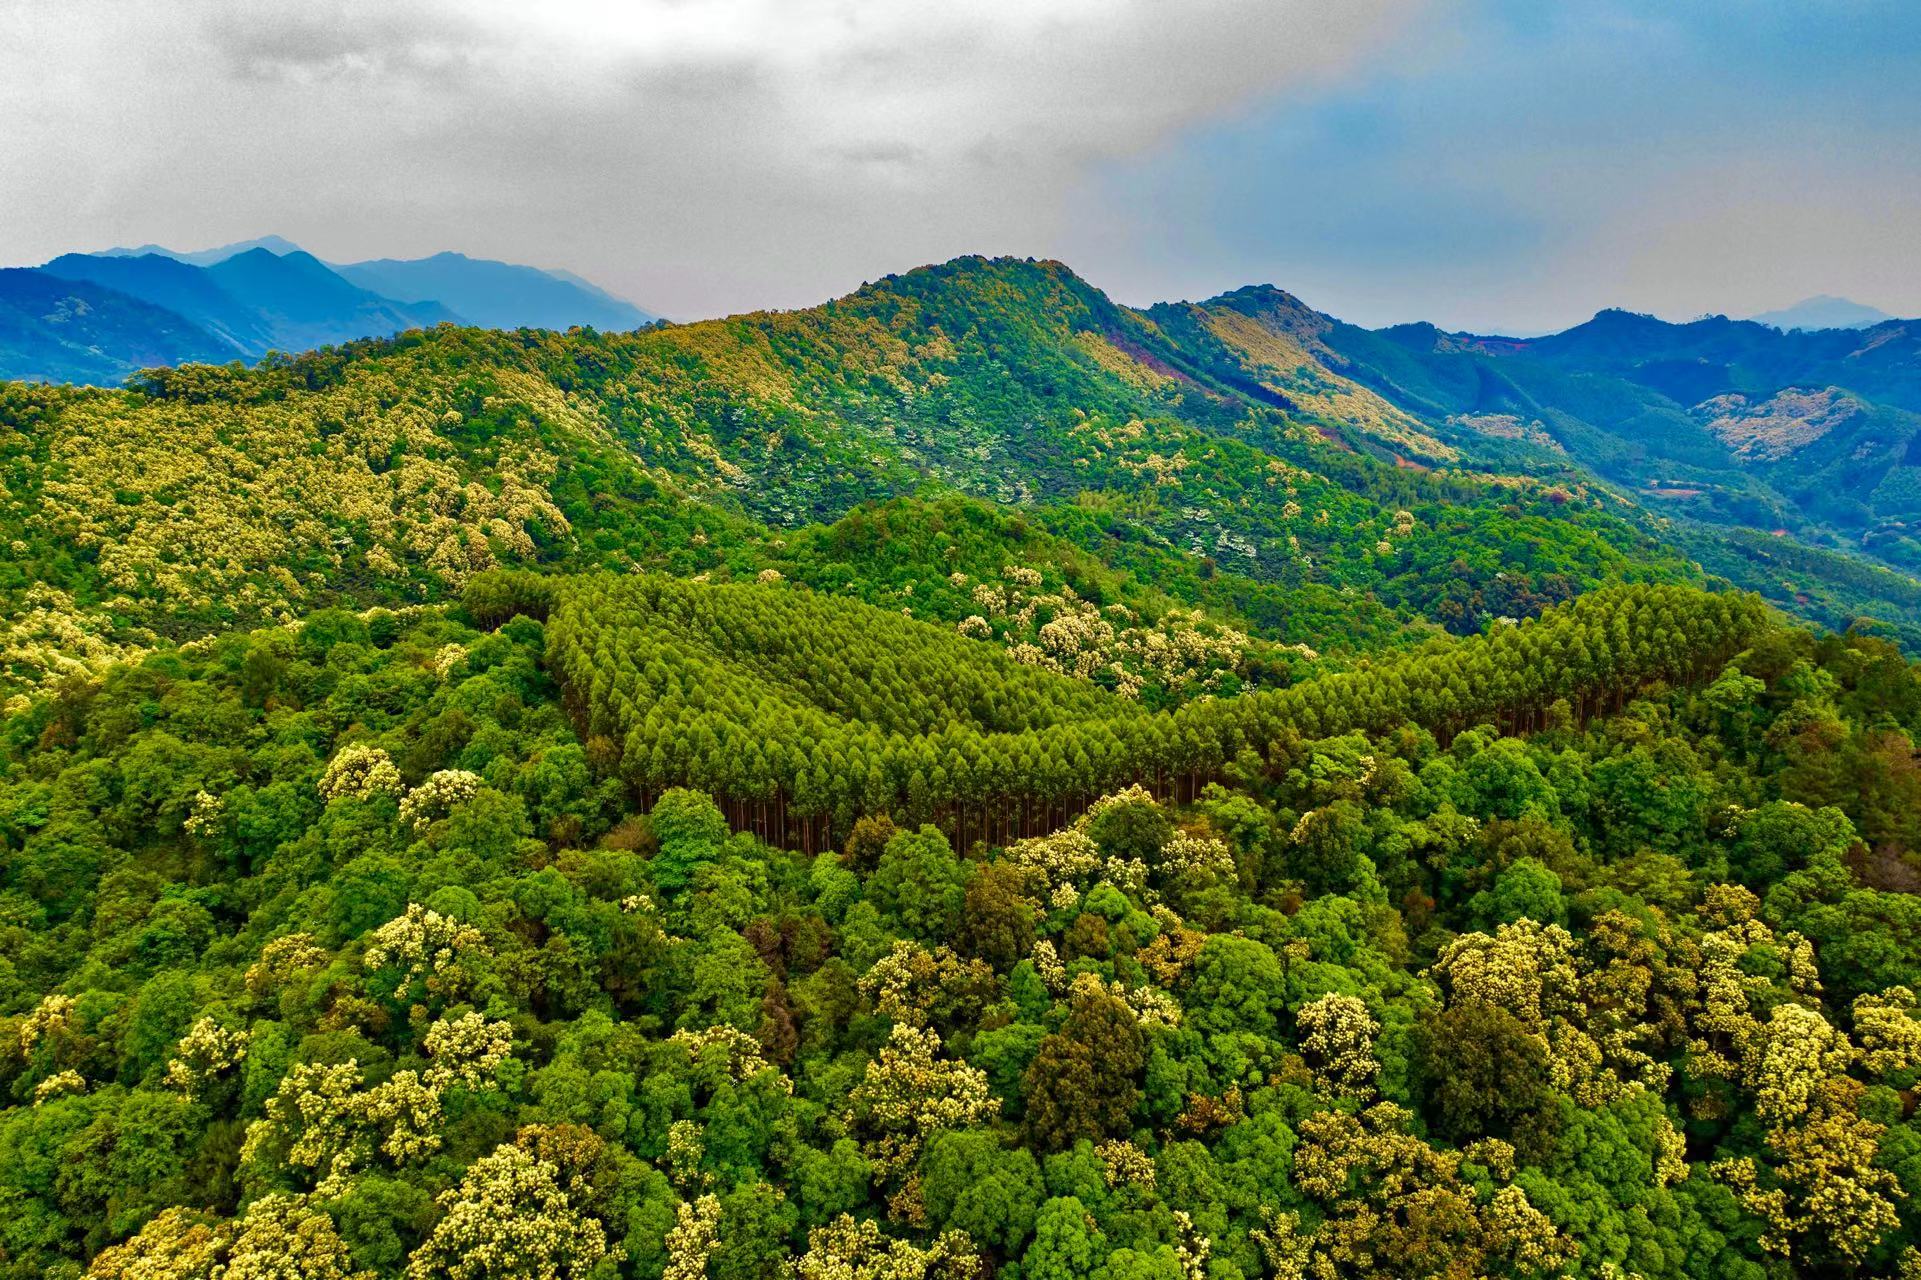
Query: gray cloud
pixel 1483 163
pixel 700 157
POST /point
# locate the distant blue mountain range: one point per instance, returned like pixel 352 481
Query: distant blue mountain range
pixel 98 317
pixel 497 295
pixel 206 257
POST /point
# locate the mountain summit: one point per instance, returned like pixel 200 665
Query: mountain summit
pixel 1824 311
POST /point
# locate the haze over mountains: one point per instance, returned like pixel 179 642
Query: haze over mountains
pixel 96 318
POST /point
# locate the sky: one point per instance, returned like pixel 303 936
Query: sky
pixel 1498 165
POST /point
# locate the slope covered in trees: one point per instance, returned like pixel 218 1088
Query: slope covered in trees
pixel 389 472
pixel 1015 381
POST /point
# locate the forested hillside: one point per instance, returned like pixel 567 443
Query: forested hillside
pixel 1017 382
pixel 389 472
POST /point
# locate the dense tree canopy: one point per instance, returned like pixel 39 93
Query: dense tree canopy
pixel 398 946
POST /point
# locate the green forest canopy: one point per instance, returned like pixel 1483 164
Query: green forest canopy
pixel 339 943
pixel 821 706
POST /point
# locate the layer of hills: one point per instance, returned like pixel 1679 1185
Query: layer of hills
pixel 1002 414
pixel 597 926
pixel 1733 423
pixel 1294 478
pixel 1780 454
pixel 97 318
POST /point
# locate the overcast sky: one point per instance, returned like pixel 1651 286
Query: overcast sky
pixel 1491 164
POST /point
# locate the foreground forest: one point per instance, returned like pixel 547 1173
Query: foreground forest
pixel 387 944
pixel 966 781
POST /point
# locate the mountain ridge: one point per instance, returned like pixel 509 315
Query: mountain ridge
pixel 1017 382
pixel 497 295
pixel 180 287
pixel 206 257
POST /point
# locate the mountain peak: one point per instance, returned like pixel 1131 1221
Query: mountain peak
pixel 1623 318
pixel 1823 311
pixel 1264 295
pixel 279 246
pixel 989 286
pixel 1275 308
pixel 976 266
